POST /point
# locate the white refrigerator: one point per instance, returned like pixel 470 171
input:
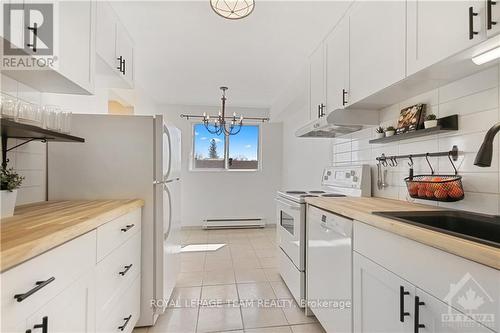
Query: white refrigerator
pixel 126 157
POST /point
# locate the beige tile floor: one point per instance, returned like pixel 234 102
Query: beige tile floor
pixel 234 289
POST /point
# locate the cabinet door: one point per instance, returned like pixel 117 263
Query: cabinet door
pixel 377 301
pixel 492 18
pixel 337 66
pixel 440 29
pixel 437 317
pixel 377 46
pixel 317 84
pixel 106 34
pixel 77 42
pixel 73 310
pixel 125 49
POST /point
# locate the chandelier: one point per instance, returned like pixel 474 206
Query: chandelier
pixel 233 9
pixel 222 124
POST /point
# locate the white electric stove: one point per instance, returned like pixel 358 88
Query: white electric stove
pixel 337 182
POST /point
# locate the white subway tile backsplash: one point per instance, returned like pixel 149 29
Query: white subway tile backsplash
pixel 481 101
pixel 476 101
pixel 472 84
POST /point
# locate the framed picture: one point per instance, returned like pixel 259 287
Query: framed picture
pixel 411 118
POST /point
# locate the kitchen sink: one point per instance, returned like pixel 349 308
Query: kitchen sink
pixel 479 228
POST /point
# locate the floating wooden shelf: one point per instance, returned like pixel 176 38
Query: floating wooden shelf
pixel 445 125
pixel 14 130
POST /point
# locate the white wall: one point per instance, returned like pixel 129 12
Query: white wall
pixel 28 160
pixel 303 158
pixel 475 99
pixel 228 194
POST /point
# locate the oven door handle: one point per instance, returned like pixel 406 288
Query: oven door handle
pixel 291 206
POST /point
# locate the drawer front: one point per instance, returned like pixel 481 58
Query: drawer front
pixel 116 272
pixel 116 232
pixel 126 306
pixel 56 268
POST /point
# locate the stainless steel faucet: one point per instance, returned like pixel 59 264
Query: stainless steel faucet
pixel 485 153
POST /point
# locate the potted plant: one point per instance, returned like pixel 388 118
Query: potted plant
pixel 379 132
pixel 430 121
pixel 9 182
pixel 389 131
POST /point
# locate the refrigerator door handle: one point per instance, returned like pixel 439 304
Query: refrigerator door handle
pixel 163 182
pixel 167 233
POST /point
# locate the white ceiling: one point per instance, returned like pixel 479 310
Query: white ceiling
pixel 184 51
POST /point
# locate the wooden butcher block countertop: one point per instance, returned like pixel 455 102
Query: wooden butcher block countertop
pixel 361 209
pixel 39 227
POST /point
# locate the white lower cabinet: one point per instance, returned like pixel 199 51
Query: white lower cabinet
pixel 381 299
pixel 400 285
pixel 436 317
pixel 70 311
pixel 67 289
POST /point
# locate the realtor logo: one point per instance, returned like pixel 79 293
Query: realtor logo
pixel 28 29
pixel 475 304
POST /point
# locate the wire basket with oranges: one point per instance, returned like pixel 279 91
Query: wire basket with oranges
pixel 446 188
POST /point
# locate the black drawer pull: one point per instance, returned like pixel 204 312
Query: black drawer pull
pixel 44 325
pixel 127 227
pixel 127 268
pixel 417 314
pixel 344 95
pixel 39 285
pixel 120 62
pixel 124 67
pixel 471 23
pixel 402 313
pixel 121 328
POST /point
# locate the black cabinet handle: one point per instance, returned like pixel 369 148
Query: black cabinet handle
pixel 44 325
pixel 28 331
pixel 402 313
pixel 127 268
pixel 120 62
pixel 417 314
pixel 34 28
pixel 124 66
pixel 127 227
pixel 471 23
pixel 121 328
pixel 490 23
pixel 39 285
pixel 321 110
pixel 344 99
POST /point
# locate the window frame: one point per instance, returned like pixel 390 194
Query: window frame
pixel 227 140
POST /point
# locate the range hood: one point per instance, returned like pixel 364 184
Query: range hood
pixel 338 122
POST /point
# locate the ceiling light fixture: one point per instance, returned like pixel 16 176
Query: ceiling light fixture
pixel 233 9
pixel 487 56
pixel 218 124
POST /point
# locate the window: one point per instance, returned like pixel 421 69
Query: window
pixel 234 152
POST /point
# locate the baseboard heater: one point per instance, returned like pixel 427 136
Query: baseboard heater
pixel 233 223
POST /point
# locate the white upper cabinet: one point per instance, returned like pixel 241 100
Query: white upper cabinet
pixel 317 98
pixel 106 33
pixel 337 67
pixel 439 29
pixel 67 50
pixel 382 301
pixel 125 52
pixel 377 46
pixel 492 18
pixel 114 46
